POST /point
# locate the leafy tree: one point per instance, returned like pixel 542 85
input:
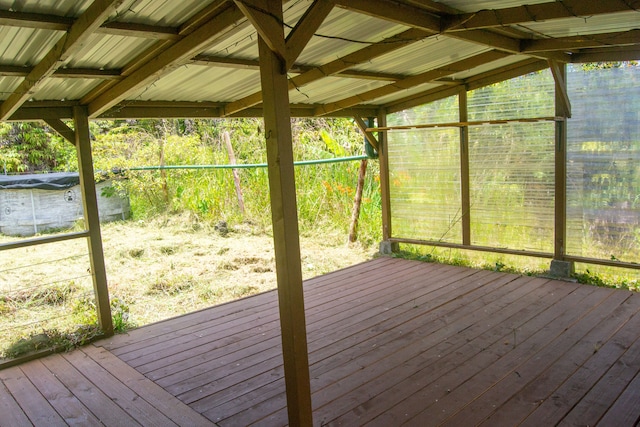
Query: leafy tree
pixel 32 147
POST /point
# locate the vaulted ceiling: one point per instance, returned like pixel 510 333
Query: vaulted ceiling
pixel 197 58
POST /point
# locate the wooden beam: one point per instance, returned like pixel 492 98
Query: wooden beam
pixel 39 21
pixel 62 129
pixel 129 29
pixel 267 25
pixel 69 43
pixel 560 159
pixel 465 181
pixel 385 193
pixel 35 114
pixel 412 81
pixel 432 6
pixel 536 13
pixel 92 218
pixel 286 238
pixel 370 137
pixel 305 28
pixel 622 38
pixel 62 23
pixel 418 17
pixel 488 38
pixel 358 57
pixel 80 73
pixel 395 12
pixel 612 54
pixel 167 60
pixel 563 104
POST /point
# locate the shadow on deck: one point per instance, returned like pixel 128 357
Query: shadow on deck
pixel 391 342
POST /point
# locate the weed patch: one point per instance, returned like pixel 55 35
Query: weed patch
pixel 54 340
pixel 171 285
pixel 52 295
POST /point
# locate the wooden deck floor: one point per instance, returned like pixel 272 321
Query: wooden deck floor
pixel 391 342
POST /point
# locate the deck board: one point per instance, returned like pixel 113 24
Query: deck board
pixel 391 342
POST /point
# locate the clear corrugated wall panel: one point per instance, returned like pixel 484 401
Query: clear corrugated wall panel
pixel 424 181
pixel 512 165
pixel 528 96
pixel 512 185
pixel 603 169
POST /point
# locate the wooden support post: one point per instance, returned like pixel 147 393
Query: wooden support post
pixel 560 232
pixel 464 169
pixel 383 156
pixel 277 124
pixel 92 220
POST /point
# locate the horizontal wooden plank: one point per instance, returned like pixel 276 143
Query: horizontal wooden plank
pixel 58 396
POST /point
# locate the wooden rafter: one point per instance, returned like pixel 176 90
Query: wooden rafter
pixel 271 30
pixel 367 133
pixel 35 20
pixel 83 73
pixel 400 13
pixel 536 12
pixel 62 23
pixel 305 28
pixel 197 20
pixel 267 26
pixel 411 81
pixel 62 129
pixel 69 43
pixel 417 17
pixel 625 53
pixel 252 64
pixel 167 60
pixel 622 38
pixel 360 56
pixel 563 104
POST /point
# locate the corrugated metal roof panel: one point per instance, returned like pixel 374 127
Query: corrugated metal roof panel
pixel 64 89
pixel 109 52
pixel 201 83
pixel 169 13
pixel 331 89
pixel 424 55
pixel 25 46
pixel 49 7
pixel 494 65
pixel 335 37
pixel 585 25
pixel 8 85
pixel 403 94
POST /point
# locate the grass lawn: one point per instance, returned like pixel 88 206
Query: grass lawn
pixel 156 270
